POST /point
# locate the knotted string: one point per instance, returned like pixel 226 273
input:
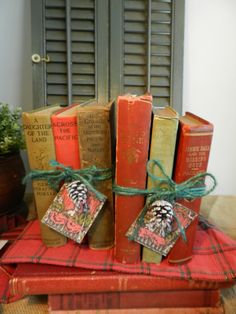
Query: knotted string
pixel 168 190
pixel 55 177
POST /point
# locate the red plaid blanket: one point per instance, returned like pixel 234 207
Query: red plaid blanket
pixel 214 256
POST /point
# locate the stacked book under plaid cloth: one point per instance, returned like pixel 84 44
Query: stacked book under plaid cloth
pixel 213 265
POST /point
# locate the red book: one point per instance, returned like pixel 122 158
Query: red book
pixel 65 134
pixel 192 310
pixel 133 132
pixel 193 149
pixel 136 299
pixel 36 279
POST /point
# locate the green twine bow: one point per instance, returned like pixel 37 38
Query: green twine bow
pixel 168 190
pixel 67 174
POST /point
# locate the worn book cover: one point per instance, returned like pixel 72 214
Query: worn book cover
pixel 162 148
pixel 65 134
pixel 192 155
pixel 94 134
pixel 132 136
pixel 74 210
pixel 134 299
pixel 40 150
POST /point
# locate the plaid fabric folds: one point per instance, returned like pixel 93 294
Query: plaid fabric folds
pixel 214 256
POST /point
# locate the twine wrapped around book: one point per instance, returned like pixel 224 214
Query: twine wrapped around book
pixel 66 174
pixel 167 189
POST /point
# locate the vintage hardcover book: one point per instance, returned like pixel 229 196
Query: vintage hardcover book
pixel 162 147
pixel 135 299
pixel 65 134
pixel 192 154
pixel 189 310
pixel 40 150
pixel 133 133
pixel 36 279
pixel 94 134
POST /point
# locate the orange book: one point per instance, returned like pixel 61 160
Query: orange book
pixel 133 133
pixel 193 149
pixel 65 134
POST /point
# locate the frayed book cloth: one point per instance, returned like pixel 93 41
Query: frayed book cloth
pixel 214 256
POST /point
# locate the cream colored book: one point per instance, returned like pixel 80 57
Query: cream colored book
pixel 162 147
pixel 40 150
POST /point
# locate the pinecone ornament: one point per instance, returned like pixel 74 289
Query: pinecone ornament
pixel 160 215
pixel 78 193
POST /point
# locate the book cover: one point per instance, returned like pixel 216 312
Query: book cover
pixel 94 133
pixel 192 155
pixel 36 279
pixel 179 310
pixel 40 150
pixel 74 210
pixel 135 299
pixel 132 136
pixel 65 134
pixel 162 147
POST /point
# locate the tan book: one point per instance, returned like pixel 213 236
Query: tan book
pixel 94 135
pixel 162 147
pixel 40 150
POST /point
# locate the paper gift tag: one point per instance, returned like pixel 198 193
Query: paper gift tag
pixel 74 209
pixel 158 230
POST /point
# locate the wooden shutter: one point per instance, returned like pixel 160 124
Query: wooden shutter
pixel 104 48
pixel 146 51
pixel 70 39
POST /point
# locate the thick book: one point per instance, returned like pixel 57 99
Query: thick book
pixel 189 310
pixel 135 299
pixel 94 135
pixel 37 279
pixel 40 150
pixel 192 155
pixel 65 134
pixel 162 148
pixel 132 136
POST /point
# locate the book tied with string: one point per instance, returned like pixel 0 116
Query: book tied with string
pixel 192 155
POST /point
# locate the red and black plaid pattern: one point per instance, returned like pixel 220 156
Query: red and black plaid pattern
pixel 214 256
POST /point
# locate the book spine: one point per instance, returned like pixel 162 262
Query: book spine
pixel 191 158
pixel 133 132
pixel 65 133
pixel 61 284
pixel 189 310
pixel 163 142
pixel 40 150
pixel 142 299
pixel 95 150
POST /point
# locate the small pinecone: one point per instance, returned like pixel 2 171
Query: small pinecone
pixel 78 193
pixel 162 216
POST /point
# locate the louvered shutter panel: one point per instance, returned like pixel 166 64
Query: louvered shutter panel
pixel 146 45
pixel 75 46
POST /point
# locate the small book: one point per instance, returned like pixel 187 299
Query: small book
pixel 192 155
pixel 74 210
pixel 94 123
pixel 162 148
pixel 65 134
pixel 40 150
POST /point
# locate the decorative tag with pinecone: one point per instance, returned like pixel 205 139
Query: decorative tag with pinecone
pixel 158 229
pixel 74 209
